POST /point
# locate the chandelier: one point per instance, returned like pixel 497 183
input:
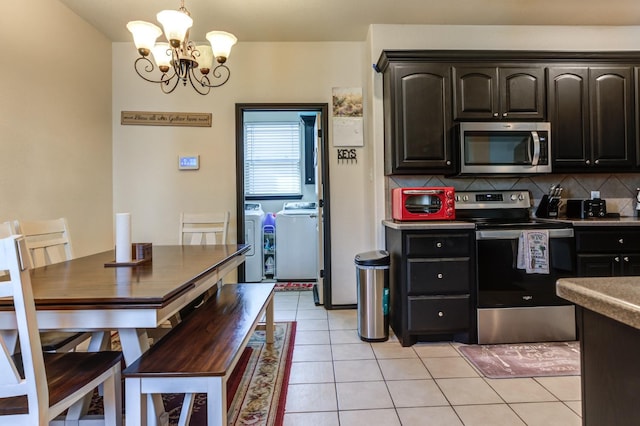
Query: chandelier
pixel 181 60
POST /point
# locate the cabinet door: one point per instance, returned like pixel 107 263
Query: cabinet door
pixel 568 108
pixel 612 117
pixel 522 93
pixel 476 93
pixel 598 265
pixel 630 264
pixel 418 119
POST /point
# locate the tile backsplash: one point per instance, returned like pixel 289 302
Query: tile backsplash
pixel 619 190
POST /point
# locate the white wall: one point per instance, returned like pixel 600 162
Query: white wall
pixel 458 37
pixel 55 121
pixel 148 184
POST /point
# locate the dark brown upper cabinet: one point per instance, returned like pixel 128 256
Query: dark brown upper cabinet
pixel 499 93
pixel 591 111
pixel 417 104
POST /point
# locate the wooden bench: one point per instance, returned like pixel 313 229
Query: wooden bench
pixel 199 354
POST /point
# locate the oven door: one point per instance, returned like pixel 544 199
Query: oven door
pixel 515 306
pixel 502 284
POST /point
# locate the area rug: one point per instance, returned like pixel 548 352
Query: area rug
pixel 293 286
pixel 525 359
pixel 256 390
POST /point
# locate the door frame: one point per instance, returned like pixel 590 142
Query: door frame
pixel 323 109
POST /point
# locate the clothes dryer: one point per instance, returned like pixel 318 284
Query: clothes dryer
pixel 253 217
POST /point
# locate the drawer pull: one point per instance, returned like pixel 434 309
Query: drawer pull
pixel 440 276
pixel 626 258
pixel 617 259
pixel 440 314
pixel 621 241
pixel 439 244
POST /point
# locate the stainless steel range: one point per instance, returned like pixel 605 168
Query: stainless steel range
pixel 514 304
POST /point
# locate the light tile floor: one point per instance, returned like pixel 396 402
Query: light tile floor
pixel 337 379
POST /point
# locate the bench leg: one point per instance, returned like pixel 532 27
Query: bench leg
pixel 217 402
pixel 269 325
pixel 135 402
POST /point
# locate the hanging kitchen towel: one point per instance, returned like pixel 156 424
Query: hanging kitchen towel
pixel 533 251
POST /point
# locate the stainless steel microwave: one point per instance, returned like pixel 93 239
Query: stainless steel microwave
pixel 499 148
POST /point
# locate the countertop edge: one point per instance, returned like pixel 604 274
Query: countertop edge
pixel 605 296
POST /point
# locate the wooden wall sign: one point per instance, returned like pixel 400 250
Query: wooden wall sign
pixel 149 118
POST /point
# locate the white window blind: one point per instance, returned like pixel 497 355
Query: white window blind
pixel 272 159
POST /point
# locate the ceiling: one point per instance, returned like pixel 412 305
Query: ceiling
pixel 348 20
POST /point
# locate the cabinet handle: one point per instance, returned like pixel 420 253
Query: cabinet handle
pixel 626 258
pixel 448 162
pixel 597 161
pixel 588 162
pixel 621 240
pixel 504 114
pixel 617 259
pixel 440 276
pixel 495 114
pixel 439 244
pixel 440 314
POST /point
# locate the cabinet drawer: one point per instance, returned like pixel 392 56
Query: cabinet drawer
pixel 438 314
pixel 438 276
pixel 618 240
pixel 438 245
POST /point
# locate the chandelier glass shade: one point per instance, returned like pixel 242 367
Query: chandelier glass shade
pixel 179 59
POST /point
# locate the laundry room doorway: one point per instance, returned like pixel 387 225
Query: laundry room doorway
pixel 282 189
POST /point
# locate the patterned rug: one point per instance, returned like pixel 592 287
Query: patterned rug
pixel 294 286
pixel 525 359
pixel 257 388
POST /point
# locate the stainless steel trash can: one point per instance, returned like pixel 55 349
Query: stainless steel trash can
pixel 372 270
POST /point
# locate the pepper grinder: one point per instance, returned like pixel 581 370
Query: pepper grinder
pixel 637 202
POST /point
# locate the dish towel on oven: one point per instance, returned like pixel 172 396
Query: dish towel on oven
pixel 533 251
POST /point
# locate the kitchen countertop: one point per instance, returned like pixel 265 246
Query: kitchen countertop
pixel 614 297
pixel 609 221
pixel 429 224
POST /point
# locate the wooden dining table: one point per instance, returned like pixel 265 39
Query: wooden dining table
pixel 84 294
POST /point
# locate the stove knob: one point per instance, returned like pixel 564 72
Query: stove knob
pixel 520 197
pixel 514 197
pixel 465 198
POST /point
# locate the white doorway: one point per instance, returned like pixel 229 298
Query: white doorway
pixel 293 191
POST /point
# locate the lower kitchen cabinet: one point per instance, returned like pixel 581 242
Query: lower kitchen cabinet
pixel 432 285
pixel 608 252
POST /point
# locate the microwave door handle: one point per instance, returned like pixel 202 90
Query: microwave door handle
pixel 536 149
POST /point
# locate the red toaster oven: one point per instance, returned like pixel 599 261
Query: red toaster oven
pixel 429 203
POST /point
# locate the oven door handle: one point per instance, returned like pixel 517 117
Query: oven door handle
pixel 510 234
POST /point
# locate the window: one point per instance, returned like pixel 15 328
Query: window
pixel 272 159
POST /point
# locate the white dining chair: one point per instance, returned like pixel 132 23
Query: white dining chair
pixel 47 242
pixel 51 382
pixel 204 228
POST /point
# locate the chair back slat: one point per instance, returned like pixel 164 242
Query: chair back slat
pixel 48 241
pixel 204 228
pixel 17 285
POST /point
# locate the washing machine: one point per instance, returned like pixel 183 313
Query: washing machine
pixel 297 241
pixel 253 217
